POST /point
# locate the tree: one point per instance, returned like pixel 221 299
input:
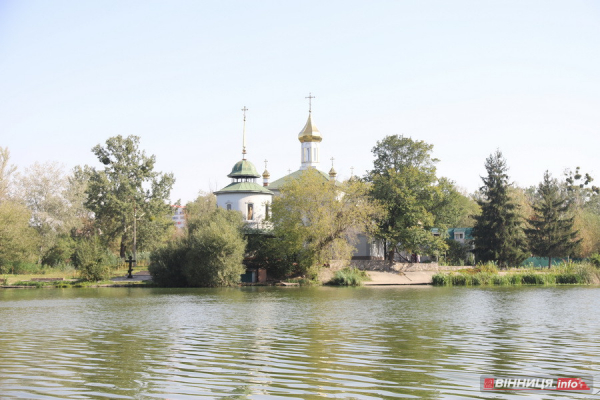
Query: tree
pixel 551 233
pixel 498 233
pixel 17 238
pixel 404 181
pixel 6 172
pixel 209 253
pixel 318 220
pixel 49 195
pixel 129 189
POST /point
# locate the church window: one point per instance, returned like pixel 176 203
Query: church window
pixel 267 211
pixel 228 206
pixel 250 215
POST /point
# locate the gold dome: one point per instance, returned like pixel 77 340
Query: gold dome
pixel 310 133
pixel 266 174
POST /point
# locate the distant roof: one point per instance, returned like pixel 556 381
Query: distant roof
pixel 451 231
pixel 244 187
pixel 243 168
pixel 276 185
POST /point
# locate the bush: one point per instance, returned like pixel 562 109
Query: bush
pixel 595 260
pixel 210 255
pixel 441 279
pixel 166 265
pixel 92 260
pixel 349 277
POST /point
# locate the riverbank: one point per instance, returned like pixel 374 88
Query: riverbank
pixel 564 274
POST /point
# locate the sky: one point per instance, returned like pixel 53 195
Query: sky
pixel 468 77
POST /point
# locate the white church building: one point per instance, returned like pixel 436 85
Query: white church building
pixel 244 194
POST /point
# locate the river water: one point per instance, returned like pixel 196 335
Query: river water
pixel 292 343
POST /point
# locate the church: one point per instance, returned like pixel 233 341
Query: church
pixel 245 195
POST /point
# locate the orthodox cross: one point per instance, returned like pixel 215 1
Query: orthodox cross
pixel 289 171
pixel 266 164
pixel 130 261
pixel 244 134
pixel 351 171
pixel 332 161
pixel 310 97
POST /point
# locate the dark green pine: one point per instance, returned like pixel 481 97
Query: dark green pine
pixel 551 233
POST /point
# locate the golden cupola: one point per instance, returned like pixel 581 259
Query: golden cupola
pixel 310 133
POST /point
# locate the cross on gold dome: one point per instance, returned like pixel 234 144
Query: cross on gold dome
pixel 332 161
pixel 351 171
pixel 310 97
pixel 266 163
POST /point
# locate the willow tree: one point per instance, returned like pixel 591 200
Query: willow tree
pixel 551 233
pixel 319 219
pixel 498 232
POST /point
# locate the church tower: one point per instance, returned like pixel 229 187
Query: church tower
pixel 310 139
pixel 243 194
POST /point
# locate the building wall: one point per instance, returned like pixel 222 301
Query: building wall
pixel 239 202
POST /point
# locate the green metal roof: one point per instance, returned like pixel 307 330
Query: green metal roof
pixel 276 185
pixel 244 187
pixel 243 168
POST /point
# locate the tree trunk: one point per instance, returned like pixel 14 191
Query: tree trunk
pixel 549 262
pixel 122 251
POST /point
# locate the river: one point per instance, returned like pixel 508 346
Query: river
pixel 292 343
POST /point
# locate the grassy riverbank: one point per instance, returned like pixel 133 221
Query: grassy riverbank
pixel 563 274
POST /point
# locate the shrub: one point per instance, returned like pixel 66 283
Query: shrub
pixel 441 279
pixel 166 265
pixel 349 277
pixel 595 260
pixel 211 254
pixel 92 260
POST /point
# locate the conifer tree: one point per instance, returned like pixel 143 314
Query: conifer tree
pixel 498 233
pixel 551 232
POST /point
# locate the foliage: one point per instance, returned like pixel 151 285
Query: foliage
pixel 92 260
pixel 267 251
pixel 216 251
pixel 210 253
pixel 17 240
pixel 498 232
pixel 349 277
pixel 551 233
pixel 6 172
pixel 595 260
pixel 45 190
pixel 61 252
pixel 166 264
pixel 458 253
pixel 404 181
pixel 566 273
pixel 316 220
pixel 128 186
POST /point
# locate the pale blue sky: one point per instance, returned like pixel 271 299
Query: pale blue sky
pixel 465 76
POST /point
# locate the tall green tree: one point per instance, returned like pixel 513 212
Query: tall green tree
pixel 404 181
pixel 127 188
pixel 551 232
pixel 318 220
pixel 498 232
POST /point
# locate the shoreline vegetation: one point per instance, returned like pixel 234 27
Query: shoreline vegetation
pixel 567 273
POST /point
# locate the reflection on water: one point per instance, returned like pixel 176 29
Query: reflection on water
pixel 303 343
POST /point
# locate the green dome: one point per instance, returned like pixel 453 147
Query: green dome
pixel 243 168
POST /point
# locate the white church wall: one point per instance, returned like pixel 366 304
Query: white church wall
pixel 240 201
